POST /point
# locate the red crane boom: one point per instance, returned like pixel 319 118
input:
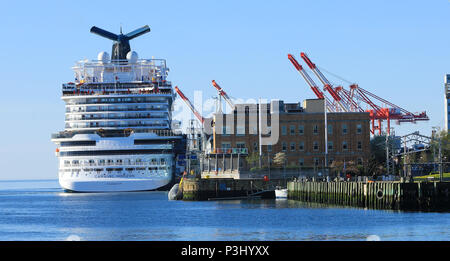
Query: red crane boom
pixel 308 79
pixel 325 82
pixel 223 94
pixel 350 100
pixel 189 104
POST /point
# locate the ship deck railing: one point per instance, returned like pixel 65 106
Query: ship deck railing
pixel 143 69
pixel 115 133
pixel 90 92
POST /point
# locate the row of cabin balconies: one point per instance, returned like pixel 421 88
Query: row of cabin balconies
pixel 116 132
pixel 117 162
pixel 110 116
pixel 112 100
pixel 125 108
pixel 115 124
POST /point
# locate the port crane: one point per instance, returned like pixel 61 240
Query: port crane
pixel 389 111
pixel 351 100
pixel 339 104
pixel 223 94
pixel 189 104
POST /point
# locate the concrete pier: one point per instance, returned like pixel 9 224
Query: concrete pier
pixel 217 189
pixel 423 196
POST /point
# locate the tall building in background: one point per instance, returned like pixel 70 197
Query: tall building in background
pixel 447 102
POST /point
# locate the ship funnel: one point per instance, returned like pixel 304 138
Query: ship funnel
pixel 121 45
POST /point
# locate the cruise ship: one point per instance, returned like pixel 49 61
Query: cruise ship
pixel 119 134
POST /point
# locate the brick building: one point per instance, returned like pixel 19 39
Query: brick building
pixel 301 135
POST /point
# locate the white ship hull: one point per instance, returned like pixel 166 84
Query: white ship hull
pixel 111 184
pixel 113 164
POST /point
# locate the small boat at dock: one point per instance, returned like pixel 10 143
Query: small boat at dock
pixel 281 192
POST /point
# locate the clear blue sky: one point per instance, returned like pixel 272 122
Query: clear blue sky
pixel 400 50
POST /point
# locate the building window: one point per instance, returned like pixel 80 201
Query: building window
pixel 360 161
pixel 292 146
pixel 344 129
pixel 301 146
pixel 255 146
pixel 301 162
pixel 292 129
pixel 301 129
pixel 240 145
pixel 284 146
pixel 359 145
pixel 330 129
pixel 269 148
pixel 358 128
pixel 315 129
pixel 344 146
pixel 226 145
pixel 315 145
pixel 330 145
pixel 316 162
pixel 283 130
pixel 330 161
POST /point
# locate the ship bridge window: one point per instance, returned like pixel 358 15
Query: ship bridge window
pixel 78 143
pixel 143 142
pixel 154 162
pixel 163 161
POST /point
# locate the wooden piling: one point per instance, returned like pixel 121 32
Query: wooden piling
pixel 426 196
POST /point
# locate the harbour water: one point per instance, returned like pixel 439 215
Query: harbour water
pixel 39 210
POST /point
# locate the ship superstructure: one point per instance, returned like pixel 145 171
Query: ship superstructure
pixel 118 123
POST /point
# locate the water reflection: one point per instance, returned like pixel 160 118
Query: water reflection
pixel 42 213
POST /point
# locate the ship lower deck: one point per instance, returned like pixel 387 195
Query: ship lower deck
pixel 112 184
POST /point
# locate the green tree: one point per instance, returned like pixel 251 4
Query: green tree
pixel 279 159
pixel 377 159
pixel 444 138
pixel 252 159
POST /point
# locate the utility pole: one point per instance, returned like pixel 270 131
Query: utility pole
pixel 326 135
pixel 404 159
pixel 441 171
pixel 387 152
pixel 433 136
pixel 260 132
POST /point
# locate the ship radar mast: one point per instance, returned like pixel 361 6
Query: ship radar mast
pixel 121 45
